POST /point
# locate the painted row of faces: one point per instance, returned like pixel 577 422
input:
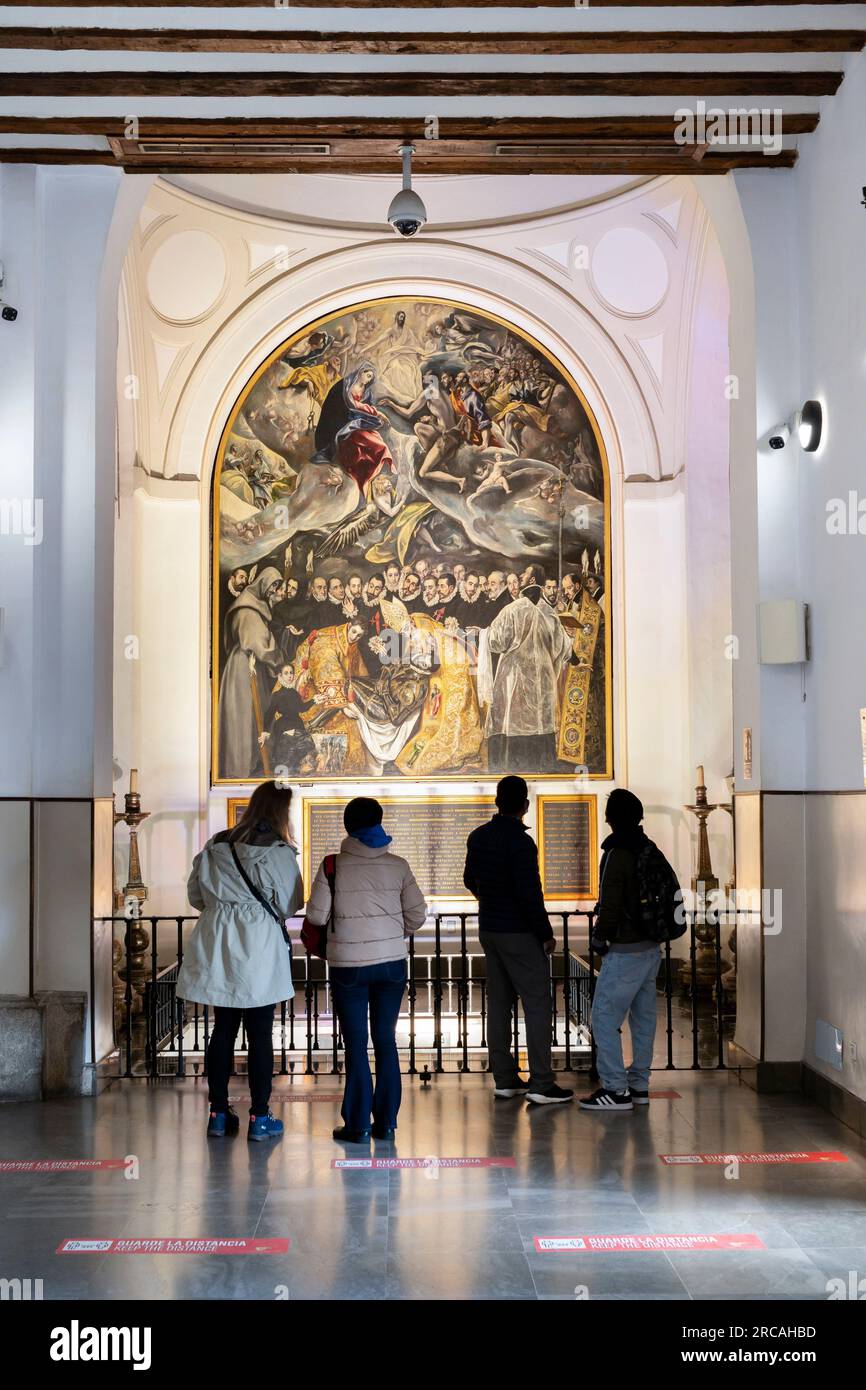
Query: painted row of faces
pixel 435 583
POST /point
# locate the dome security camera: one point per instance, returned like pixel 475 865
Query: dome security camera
pixel 779 437
pixel 407 214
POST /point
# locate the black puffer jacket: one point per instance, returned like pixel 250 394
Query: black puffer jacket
pixel 502 873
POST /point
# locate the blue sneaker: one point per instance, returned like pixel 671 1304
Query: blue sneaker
pixel 264 1127
pixel 222 1123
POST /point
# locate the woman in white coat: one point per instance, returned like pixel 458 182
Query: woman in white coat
pixel 245 882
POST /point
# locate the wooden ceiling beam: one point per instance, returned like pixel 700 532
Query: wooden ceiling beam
pixel 530 5
pixel 61 40
pixel 539 128
pixel 408 84
pixel 647 165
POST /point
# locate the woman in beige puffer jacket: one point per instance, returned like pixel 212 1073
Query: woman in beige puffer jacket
pixel 377 905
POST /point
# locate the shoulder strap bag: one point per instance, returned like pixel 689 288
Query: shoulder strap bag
pixel 260 897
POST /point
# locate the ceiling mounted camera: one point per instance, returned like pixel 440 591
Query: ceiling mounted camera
pixel 407 214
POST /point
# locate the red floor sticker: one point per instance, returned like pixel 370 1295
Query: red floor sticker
pixel 563 1245
pixel 173 1245
pixel 792 1157
pixel 58 1165
pixel 665 1095
pixel 432 1162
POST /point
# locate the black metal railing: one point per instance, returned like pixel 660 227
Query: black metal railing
pixel 443 1023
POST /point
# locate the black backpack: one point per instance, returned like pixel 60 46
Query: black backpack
pixel 662 912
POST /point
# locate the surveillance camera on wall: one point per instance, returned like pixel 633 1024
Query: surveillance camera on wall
pixel 779 437
pixel 807 424
pixel 6 310
pixel 407 214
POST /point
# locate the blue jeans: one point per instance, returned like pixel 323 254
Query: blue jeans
pixel 357 989
pixel 625 989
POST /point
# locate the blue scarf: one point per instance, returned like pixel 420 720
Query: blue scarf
pixel 372 835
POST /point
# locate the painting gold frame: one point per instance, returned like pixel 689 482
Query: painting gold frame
pixel 577 798
pixel 235 807
pixel 488 801
pixel 607 773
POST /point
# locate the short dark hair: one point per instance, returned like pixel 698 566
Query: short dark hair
pixel 512 795
pixel 623 809
pixel 360 813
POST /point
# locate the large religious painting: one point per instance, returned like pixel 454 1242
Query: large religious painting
pixel 411 557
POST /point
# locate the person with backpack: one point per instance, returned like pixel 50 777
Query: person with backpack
pixel 245 882
pixel 636 912
pixel 368 900
pixel 514 929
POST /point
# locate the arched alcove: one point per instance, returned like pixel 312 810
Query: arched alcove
pixel 650 382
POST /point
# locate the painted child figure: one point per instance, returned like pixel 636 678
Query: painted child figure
pixel 290 746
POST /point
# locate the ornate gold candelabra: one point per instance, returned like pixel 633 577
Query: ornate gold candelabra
pixel 133 970
pixel 704 882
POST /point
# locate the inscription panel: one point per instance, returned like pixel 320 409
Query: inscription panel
pixel 568 847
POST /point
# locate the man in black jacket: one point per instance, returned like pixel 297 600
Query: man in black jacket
pixel 502 873
pixel 626 984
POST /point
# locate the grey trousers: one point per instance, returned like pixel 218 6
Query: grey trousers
pixel 518 968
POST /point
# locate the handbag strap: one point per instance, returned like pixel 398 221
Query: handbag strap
pixel 330 867
pixel 258 895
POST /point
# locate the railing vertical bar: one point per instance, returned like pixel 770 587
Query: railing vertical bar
pixel 335 1070
pixel 565 1009
pixel 153 1040
pixel 463 994
pixel 669 1006
pixel 719 1010
pixel 308 1003
pixel 412 991
pixel 283 1067
pixel 128 999
pixel 693 954
pixel 437 993
pixel 181 1068
pixel 593 1052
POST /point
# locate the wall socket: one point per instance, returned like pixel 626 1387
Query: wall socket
pixel 852 1052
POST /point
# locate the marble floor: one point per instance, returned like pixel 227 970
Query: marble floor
pixel 435 1232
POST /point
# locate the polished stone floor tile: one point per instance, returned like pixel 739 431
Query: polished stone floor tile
pixel 436 1232
pixel 476 1275
pixel 750 1274
pixel 645 1276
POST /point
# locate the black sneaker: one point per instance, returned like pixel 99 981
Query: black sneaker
pixel 639 1097
pixel 553 1095
pixel 516 1088
pixel 607 1102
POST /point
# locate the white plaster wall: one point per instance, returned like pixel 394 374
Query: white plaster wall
pixel 807 236
pixel 14 897
pixel 785 961
pixel 835 829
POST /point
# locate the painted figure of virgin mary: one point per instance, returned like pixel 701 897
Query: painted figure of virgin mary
pixel 349 432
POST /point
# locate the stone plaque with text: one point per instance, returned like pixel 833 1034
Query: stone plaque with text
pixel 429 833
pixel 568 847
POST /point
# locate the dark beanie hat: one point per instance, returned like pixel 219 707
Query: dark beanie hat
pixel 623 808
